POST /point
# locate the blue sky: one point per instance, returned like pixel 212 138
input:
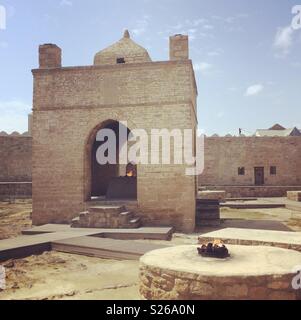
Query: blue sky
pixel 246 55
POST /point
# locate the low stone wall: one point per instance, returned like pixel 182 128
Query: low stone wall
pixel 19 190
pixel 167 285
pixel 255 191
pixel 15 158
pixel 294 195
pixel 170 279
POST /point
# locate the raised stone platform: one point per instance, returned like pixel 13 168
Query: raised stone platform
pixel 281 239
pixel 150 233
pixel 82 241
pixel 294 196
pixel 254 191
pixel 179 273
pixel 104 248
pixel 253 204
pixel 109 216
pixel 212 195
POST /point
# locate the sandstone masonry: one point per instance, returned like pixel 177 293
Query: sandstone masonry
pixel 279 158
pixel 72 103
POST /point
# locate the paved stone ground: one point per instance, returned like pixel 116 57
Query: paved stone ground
pixel 45 276
pixel 281 219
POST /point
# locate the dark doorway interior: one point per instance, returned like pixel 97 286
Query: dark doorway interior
pixel 109 181
pixel 259 176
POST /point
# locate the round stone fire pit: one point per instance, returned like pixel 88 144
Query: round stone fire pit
pixel 179 273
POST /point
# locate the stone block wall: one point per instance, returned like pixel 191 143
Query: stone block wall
pixel 15 158
pixel 294 195
pixel 69 103
pixel 158 284
pixel 50 56
pixel 15 190
pixel 224 155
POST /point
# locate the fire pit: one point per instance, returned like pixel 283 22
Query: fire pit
pixel 214 249
pixel 180 273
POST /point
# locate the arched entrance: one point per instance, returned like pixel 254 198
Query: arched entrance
pixel 109 181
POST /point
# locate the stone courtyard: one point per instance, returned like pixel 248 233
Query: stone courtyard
pixel 44 277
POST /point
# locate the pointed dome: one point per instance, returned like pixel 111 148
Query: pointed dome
pixel 123 51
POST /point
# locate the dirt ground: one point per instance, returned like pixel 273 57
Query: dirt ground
pixel 61 276
pixel 14 217
pixel 274 219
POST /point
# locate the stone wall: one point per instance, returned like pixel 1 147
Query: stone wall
pixel 224 155
pixel 294 195
pixel 158 284
pixel 250 273
pixel 255 191
pixel 17 190
pixel 71 103
pixel 15 158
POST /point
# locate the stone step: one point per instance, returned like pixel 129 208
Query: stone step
pixel 134 223
pixel 107 209
pixel 125 217
pixel 75 223
pixel 116 217
pixel 84 214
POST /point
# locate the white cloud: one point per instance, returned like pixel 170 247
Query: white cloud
pixel 208 27
pixel 196 22
pixel 14 115
pixel 66 3
pixel 215 53
pixel 254 90
pixel 203 66
pixel 284 39
pixel 138 31
pixel 230 19
pixel 141 26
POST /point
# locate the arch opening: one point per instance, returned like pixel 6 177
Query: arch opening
pixel 109 181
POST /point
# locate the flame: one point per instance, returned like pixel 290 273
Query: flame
pixel 218 243
pixel 130 174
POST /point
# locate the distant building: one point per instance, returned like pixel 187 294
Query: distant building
pixel 278 131
pixel 267 164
